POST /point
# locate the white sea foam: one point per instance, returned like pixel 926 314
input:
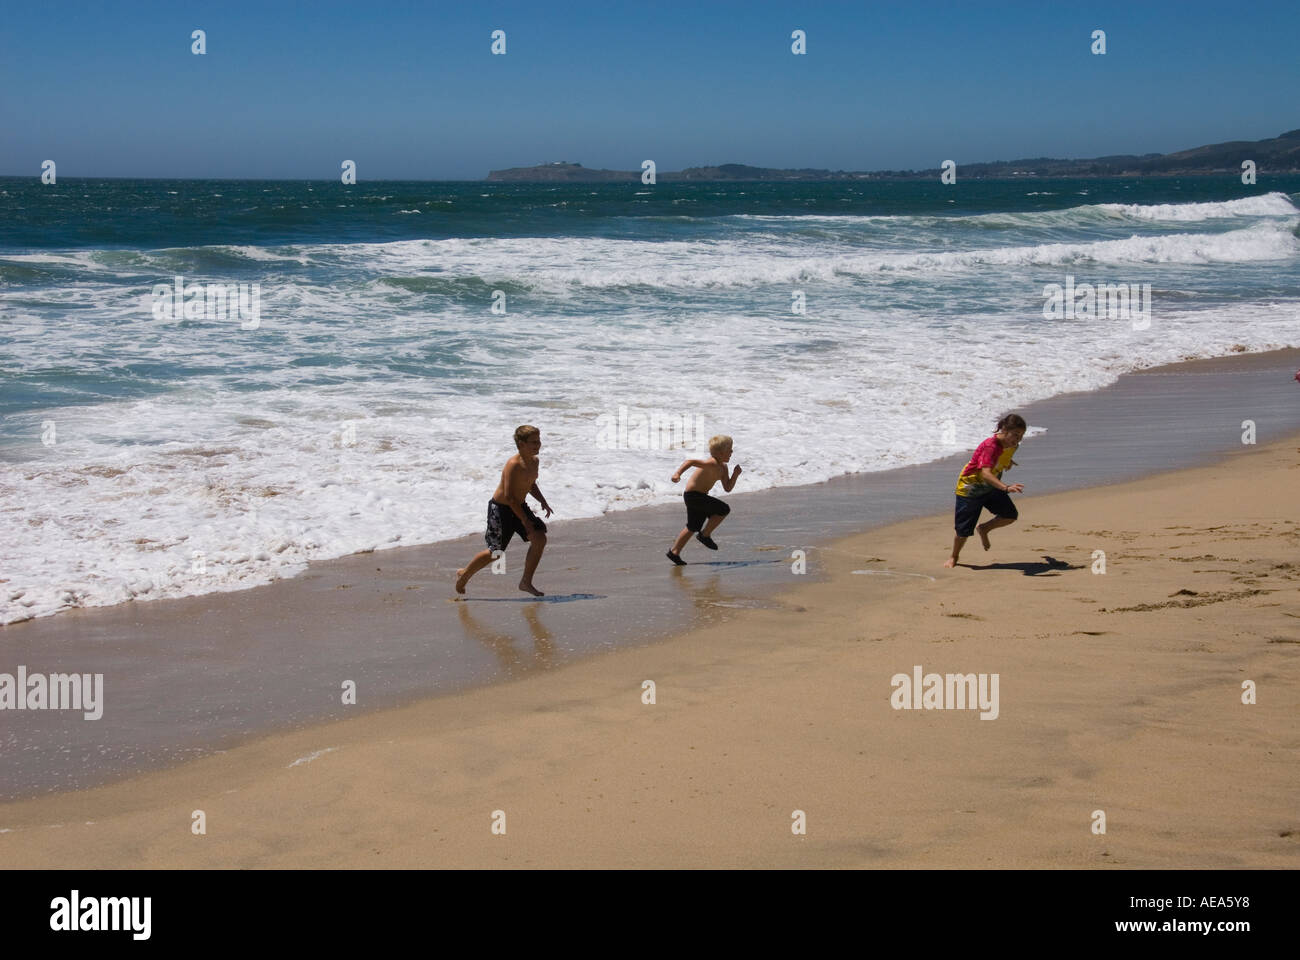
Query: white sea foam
pixel 314 755
pixel 260 484
pixel 562 266
pixel 368 413
pixel 1268 205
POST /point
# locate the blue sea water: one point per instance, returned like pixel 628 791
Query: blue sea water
pixel 372 403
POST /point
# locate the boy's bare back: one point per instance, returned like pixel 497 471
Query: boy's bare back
pixel 707 473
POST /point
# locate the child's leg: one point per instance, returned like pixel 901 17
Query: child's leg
pixel 1004 512
pixel 992 524
pixel 536 544
pixel 683 538
pixel 704 535
pixel 966 514
pixel 481 560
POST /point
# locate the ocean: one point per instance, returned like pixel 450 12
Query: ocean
pixel 403 330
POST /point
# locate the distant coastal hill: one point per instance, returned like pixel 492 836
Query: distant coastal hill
pixel 1279 155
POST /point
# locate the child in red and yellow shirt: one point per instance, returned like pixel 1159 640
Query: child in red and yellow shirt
pixel 980 486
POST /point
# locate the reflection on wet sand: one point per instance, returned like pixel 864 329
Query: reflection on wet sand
pixel 705 592
pixel 705 589
pixel 502 645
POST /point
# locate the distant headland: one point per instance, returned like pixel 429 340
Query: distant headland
pixel 1278 155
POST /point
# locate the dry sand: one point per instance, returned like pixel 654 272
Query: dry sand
pixel 1119 692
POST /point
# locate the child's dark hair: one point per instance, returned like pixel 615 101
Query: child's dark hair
pixel 1012 421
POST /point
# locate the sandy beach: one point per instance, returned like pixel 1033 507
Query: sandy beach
pixel 1119 692
pixel 186 677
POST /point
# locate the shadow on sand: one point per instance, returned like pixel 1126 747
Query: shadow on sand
pixel 729 563
pixel 1048 566
pixel 559 598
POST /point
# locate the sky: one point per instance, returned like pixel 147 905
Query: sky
pixel 411 90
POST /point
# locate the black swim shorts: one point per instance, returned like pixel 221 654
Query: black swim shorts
pixel 701 506
pixel 502 524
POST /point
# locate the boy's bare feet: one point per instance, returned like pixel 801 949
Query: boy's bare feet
pixel 461 580
pixel 984 536
pixel 950 562
pixel 529 588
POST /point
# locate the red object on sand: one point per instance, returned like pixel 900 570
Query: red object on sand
pixel 1297 375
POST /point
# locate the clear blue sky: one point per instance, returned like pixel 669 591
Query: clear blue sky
pixel 410 90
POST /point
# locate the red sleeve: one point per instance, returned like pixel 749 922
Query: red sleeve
pixel 986 454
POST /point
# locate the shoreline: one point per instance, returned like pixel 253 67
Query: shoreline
pixel 1057 403
pixel 1126 702
pixel 189 676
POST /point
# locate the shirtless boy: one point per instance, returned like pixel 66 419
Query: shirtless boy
pixel 508 513
pixel 699 505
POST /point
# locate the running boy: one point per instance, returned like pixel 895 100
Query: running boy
pixel 980 485
pixel 508 512
pixel 699 505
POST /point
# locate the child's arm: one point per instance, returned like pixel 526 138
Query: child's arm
pixel 729 482
pixel 989 477
pixel 537 495
pixel 686 465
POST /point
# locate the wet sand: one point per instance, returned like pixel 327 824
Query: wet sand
pixel 185 678
pixel 1120 695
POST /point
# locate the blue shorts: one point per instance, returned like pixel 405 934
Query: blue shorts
pixel 968 510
